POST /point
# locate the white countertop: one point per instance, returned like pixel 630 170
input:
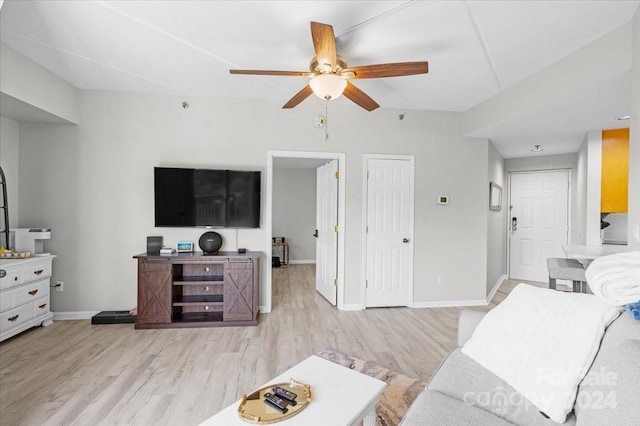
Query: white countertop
pixel 582 251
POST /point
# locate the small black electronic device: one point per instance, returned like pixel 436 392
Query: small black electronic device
pixel 242 250
pixel 285 394
pixel 154 244
pixel 275 402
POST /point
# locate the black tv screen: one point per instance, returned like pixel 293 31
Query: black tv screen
pixel 203 197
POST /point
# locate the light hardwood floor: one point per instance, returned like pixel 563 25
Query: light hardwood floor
pixel 76 373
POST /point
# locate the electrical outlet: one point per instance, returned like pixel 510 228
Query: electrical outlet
pixel 440 279
pixel 60 286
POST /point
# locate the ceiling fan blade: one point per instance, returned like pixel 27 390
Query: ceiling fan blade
pixel 299 97
pixel 279 73
pixel 324 43
pixel 359 97
pixel 387 70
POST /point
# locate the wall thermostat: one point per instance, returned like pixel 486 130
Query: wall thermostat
pixel 319 120
pixel 443 199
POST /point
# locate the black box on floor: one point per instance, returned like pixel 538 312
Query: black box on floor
pixel 113 317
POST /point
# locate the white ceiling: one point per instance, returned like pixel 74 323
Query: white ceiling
pixel 475 49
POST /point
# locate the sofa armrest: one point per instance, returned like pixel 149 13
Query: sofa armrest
pixel 467 322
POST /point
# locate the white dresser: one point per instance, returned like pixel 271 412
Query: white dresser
pixel 24 294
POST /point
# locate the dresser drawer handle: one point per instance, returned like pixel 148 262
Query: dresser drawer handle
pixel 33 292
pixel 206 288
pixel 206 269
pixel 38 272
pixel 13 318
pixel 206 308
pixel 42 306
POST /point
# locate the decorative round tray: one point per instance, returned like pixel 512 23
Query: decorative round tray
pixel 254 409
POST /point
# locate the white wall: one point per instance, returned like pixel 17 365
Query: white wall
pixel 594 191
pixel 93 185
pixel 294 211
pixel 579 222
pixel 496 225
pixel 9 143
pixel 634 140
pixel 34 85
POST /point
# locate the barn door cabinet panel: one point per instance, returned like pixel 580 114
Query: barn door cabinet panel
pixel 196 290
pixel 154 291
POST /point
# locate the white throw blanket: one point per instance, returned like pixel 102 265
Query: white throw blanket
pixel 542 343
pixel 616 278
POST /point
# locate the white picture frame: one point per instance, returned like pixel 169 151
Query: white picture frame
pixel 495 197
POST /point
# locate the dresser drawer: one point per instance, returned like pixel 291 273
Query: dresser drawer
pixel 36 271
pixel 41 306
pixel 30 292
pixel 15 317
pixel 22 273
pixel 6 300
pixel 12 278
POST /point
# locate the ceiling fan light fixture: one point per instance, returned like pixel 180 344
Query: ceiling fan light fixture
pixel 328 86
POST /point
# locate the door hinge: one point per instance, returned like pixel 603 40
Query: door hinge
pixel 367 174
pixel 335 282
pixel 366 283
pixel 337 175
pixel 335 228
pixel 367 231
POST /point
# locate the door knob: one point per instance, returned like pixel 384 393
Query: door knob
pixel 315 234
pixel 405 240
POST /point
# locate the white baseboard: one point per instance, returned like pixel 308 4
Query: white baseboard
pixel 71 316
pixel 495 288
pixel 302 261
pixel 352 307
pixel 263 310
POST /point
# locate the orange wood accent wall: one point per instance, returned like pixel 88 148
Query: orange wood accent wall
pixel 615 171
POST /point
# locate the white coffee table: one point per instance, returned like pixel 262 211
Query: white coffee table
pixel 340 396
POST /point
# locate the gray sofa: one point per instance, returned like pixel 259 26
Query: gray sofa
pixel 462 392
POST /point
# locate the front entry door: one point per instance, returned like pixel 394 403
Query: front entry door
pixel 538 223
pixel 389 247
pixel 327 230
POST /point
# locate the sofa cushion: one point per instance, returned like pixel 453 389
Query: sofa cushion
pixel 462 378
pixel 434 408
pixel 610 392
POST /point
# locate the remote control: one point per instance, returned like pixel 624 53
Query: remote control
pixel 285 394
pixel 275 402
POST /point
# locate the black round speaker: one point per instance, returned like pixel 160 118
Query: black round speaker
pixel 210 242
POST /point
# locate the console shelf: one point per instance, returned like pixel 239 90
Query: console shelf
pixel 196 290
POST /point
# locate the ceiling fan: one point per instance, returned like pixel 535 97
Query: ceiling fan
pixel 330 74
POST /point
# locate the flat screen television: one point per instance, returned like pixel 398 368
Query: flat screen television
pixel 206 198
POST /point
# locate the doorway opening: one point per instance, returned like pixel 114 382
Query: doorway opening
pixel 311 160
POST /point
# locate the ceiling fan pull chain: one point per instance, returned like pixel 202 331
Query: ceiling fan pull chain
pixel 326 127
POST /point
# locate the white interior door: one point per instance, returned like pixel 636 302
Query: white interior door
pixel 539 222
pixel 389 258
pixel 327 230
